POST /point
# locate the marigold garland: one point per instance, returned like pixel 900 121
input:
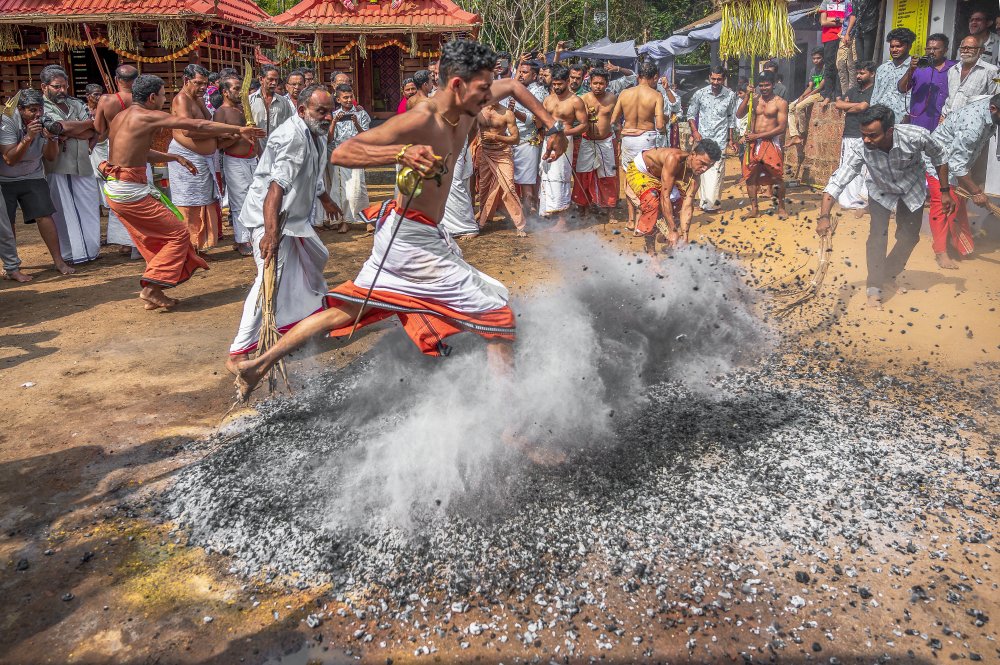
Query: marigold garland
pixel 102 41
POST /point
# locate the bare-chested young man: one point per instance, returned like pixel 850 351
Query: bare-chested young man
pixel 664 182
pixel 197 195
pixel 528 150
pixel 425 282
pixel 764 163
pixel 161 237
pixel 641 108
pixel 108 107
pixel 495 165
pixel 421 79
pixel 555 192
pixel 239 159
pixel 596 166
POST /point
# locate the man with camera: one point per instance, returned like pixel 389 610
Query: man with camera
pixel 72 185
pixel 927 82
pixel 24 142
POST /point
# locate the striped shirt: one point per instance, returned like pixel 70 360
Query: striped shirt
pixel 893 176
pixel 980 81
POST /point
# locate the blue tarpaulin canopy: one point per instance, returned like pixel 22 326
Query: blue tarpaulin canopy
pixel 664 51
pixel 620 53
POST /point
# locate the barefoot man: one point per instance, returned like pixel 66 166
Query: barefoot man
pixel 107 108
pixel 425 281
pixel 278 212
pixel 157 230
pixel 196 195
pixel 557 176
pixel 596 167
pixel 764 163
pixel 894 155
pixel 495 164
pixel 239 160
pixel 641 108
pixel 664 182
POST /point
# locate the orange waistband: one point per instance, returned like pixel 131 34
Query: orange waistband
pixel 378 213
pixel 135 174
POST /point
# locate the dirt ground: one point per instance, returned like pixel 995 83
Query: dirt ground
pixel 103 396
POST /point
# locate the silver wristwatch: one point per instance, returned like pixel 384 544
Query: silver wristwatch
pixel 556 128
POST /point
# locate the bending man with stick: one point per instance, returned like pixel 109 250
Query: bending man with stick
pixel 416 271
pixel 277 212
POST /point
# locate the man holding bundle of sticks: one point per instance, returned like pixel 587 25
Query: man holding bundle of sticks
pixel 277 212
pixel 894 155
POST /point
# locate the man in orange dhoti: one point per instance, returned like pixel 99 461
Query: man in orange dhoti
pixel 663 182
pixel 495 165
pixel 764 162
pixel 150 219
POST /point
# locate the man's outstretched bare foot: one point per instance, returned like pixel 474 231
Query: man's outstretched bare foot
pixel 875 302
pixel 64 268
pixel 243 248
pixel 795 140
pixel 343 227
pixel 782 213
pixel 232 363
pixel 945 261
pixel 754 212
pixel 536 453
pixel 155 299
pixel 17 276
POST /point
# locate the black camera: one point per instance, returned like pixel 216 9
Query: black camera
pixel 51 125
pixel 923 61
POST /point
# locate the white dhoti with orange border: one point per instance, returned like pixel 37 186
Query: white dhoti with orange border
pixel 426 283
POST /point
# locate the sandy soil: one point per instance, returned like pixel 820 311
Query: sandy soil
pixel 103 396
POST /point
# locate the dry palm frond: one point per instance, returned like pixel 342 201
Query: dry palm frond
pixel 758 28
pixel 171 34
pixel 58 33
pixel 363 45
pixel 266 301
pixel 791 299
pixel 992 207
pixel 283 49
pixel 10 37
pixel 317 49
pixel 121 36
pixel 413 45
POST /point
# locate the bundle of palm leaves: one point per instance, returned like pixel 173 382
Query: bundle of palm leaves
pixel 756 28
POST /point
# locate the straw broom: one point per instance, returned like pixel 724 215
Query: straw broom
pixel 266 298
pixel 992 207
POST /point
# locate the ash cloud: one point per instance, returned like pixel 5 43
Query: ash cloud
pixel 433 433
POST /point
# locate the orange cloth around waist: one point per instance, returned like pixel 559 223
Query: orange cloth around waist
pixel 161 238
pixel 135 174
pixel 426 322
pixel 379 212
pixel 765 159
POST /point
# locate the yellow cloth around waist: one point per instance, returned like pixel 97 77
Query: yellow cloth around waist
pixel 640 182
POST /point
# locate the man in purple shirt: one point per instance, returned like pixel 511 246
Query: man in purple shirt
pixel 927 77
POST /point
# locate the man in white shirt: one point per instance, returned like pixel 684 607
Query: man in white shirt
pixel 894 155
pixel 277 211
pixel 269 109
pixel 974 77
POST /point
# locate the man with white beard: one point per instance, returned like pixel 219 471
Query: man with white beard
pixel 277 211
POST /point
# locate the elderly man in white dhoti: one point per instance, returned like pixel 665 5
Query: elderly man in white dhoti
pixel 277 211
pixel 72 185
pixel 347 187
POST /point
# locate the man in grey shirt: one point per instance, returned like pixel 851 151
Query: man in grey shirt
pixel 23 144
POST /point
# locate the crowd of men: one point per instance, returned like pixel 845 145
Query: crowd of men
pixel 914 130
